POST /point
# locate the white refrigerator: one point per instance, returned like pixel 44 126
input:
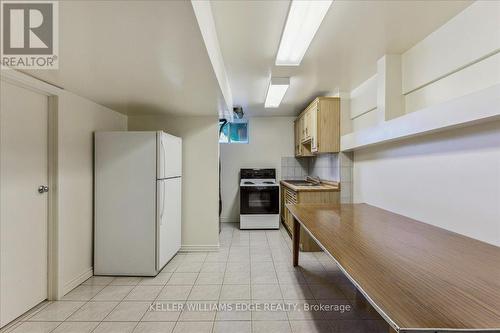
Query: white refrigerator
pixel 137 202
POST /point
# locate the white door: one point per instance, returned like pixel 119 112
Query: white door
pixel 169 156
pixel 23 210
pixel 169 221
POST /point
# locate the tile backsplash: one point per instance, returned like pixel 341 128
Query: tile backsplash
pixel 336 167
pixel 294 168
pixel 325 166
pixel 346 168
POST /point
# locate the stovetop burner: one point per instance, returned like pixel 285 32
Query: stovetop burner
pixel 265 178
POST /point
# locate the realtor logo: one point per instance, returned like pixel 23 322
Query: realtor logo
pixel 29 34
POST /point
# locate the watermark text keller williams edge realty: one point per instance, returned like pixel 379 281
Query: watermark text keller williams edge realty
pixel 30 34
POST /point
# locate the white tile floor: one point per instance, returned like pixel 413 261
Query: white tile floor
pixel 251 268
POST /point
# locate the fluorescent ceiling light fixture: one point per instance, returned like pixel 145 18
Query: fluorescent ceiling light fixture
pixel 304 19
pixel 276 90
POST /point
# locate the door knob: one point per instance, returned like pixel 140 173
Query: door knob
pixel 43 189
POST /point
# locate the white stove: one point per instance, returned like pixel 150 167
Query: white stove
pixel 259 199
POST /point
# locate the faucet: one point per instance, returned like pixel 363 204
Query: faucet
pixel 314 179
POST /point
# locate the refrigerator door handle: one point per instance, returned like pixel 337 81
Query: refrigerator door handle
pixel 162 158
pixel 162 202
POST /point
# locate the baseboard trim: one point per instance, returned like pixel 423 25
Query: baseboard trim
pixel 199 248
pixel 77 281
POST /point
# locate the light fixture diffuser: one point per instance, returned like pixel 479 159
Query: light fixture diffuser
pixel 276 91
pixel 304 19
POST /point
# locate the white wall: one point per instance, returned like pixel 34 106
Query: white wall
pixel 463 40
pixel 477 77
pixel 363 106
pixel 364 97
pixel 200 183
pixel 270 138
pixel 365 120
pixel 459 58
pixel 78 118
pixel 450 179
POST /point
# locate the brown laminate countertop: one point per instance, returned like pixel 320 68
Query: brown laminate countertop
pixel 320 188
pixel 417 276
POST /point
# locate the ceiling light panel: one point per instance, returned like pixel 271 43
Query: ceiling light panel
pixel 304 19
pixel 276 91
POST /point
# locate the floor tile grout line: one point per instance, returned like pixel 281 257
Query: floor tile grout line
pixel 317 301
pixel 251 246
pixel 275 272
pixel 60 323
pixel 179 317
pixel 118 303
pixel 28 316
pixel 156 299
pixel 48 303
pixel 279 284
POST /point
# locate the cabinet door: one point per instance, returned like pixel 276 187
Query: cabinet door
pixel 313 117
pixel 301 129
pixel 304 126
pixel 300 126
pixel 283 207
pixel 296 137
pixel 319 127
pixel 307 121
pixel 290 198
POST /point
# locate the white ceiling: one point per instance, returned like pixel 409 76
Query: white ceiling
pixel 135 57
pixel 149 56
pixel 352 37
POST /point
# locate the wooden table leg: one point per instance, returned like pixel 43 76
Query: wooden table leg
pixel 296 241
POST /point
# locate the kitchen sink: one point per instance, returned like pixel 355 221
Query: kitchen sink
pixel 301 183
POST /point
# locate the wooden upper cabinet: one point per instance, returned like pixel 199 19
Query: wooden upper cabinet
pixel 296 133
pixel 313 127
pixel 301 149
pixel 307 125
pixel 319 127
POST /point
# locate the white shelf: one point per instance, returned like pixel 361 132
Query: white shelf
pixel 464 111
